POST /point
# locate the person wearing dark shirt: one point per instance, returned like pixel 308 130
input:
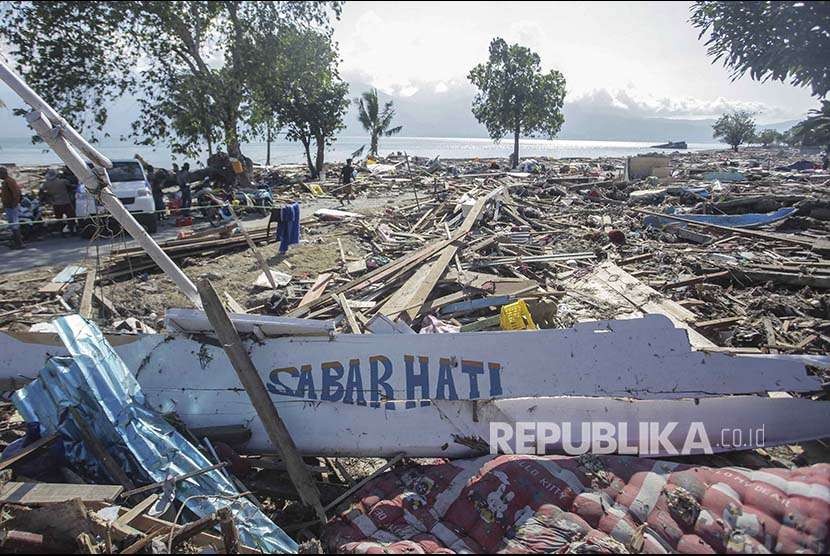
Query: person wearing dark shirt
pixel 183 178
pixel 346 180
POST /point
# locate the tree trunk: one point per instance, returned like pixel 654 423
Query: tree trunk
pixel 235 151
pixel 374 146
pixel 321 153
pixel 516 146
pixel 307 146
pixel 268 143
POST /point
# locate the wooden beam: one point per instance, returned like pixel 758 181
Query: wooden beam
pixel 317 289
pixel 137 510
pixel 697 279
pixel 86 298
pixel 718 323
pixel 54 493
pixel 344 304
pixel 175 480
pixel 94 445
pixel 190 530
pixel 263 264
pixel 230 534
pixel 264 406
pixel 28 450
pixel 415 291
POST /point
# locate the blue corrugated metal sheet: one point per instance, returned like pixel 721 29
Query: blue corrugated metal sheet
pixel 751 220
pixel 96 382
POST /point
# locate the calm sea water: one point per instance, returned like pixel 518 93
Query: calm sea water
pixel 21 151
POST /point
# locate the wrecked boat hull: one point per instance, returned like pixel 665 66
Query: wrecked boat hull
pixel 436 395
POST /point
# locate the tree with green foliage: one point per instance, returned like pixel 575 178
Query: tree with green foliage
pixel 514 95
pixel 80 56
pixel 735 129
pixel 190 114
pixel 769 137
pixel 815 130
pixel 769 40
pixel 375 121
pixel 299 88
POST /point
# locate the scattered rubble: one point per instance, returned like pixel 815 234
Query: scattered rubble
pixel 470 246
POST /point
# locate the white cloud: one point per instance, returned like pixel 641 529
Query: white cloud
pixel 638 104
pixel 441 87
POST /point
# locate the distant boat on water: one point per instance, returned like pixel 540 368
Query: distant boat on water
pixel 672 145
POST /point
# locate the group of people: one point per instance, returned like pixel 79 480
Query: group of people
pixel 161 177
pixel 60 192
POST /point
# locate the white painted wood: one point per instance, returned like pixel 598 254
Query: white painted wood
pixel 195 321
pixel 646 358
pixel 643 358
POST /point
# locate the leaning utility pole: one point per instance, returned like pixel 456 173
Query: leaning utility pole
pixel 66 142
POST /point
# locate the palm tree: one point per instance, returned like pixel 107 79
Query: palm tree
pixel 373 120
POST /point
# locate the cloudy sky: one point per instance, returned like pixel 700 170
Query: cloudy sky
pixel 638 57
pixel 635 70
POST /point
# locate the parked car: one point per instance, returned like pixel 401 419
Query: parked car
pixel 132 187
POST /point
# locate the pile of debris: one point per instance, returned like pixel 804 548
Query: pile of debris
pixel 715 264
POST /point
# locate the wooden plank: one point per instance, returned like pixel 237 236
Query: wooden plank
pixel 317 289
pixel 127 517
pixel 53 493
pixel 400 265
pixel 61 279
pixel 697 279
pixel 785 278
pixel 260 399
pixel 106 303
pixel 613 285
pixel 718 323
pixel 234 305
pixel 28 450
pixel 86 298
pixel 94 445
pixel 148 525
pixel 257 255
pixel 344 304
pixel 408 300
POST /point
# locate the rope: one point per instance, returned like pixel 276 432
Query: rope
pixel 107 215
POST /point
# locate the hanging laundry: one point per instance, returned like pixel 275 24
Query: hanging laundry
pixel 288 230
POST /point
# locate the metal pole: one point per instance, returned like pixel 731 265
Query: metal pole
pixel 39 105
pixel 97 181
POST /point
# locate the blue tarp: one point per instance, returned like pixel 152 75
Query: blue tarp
pixel 751 220
pixel 96 382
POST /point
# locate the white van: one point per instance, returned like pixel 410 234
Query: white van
pixel 131 186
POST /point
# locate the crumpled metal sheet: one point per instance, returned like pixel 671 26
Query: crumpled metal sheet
pixel 601 504
pixel 96 382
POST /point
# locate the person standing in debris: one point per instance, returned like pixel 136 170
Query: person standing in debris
pixel 59 192
pixel 11 196
pixel 183 178
pixel 346 175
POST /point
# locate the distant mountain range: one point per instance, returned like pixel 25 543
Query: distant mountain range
pixel 428 113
